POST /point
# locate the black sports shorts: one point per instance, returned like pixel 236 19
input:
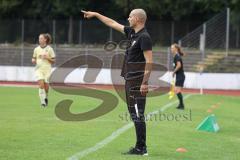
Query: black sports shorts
pixel 180 81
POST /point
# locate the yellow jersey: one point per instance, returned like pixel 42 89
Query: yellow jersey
pixel 39 53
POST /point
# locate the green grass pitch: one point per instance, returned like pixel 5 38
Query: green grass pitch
pixel 29 132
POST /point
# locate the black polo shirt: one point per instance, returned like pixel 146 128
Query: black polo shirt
pixel 134 61
pixel 180 72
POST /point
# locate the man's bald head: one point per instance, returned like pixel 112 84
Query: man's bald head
pixel 140 14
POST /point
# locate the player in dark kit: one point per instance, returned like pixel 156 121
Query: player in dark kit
pixel 136 70
pixel 179 72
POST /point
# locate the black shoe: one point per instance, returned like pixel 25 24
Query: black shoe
pixel 180 107
pixel 46 101
pixel 43 105
pixel 136 151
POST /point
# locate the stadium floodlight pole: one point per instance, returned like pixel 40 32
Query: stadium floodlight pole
pixel 227 31
pixel 168 59
pixel 86 53
pixel 237 38
pixel 80 32
pixel 22 46
pixel 202 47
pixel 168 65
pixel 172 32
pixel 203 41
pixel 110 34
pixel 54 34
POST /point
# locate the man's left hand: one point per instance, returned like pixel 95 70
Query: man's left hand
pixel 144 89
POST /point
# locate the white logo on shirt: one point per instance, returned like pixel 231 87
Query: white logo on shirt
pixel 133 43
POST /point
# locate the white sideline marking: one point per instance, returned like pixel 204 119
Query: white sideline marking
pixel 116 133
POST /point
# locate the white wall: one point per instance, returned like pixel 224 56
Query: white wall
pixel 193 80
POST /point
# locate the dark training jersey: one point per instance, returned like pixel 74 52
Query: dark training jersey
pixel 134 60
pixel 180 72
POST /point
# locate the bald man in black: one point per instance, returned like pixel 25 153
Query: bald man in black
pixel 136 70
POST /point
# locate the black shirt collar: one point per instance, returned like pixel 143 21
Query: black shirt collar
pixel 140 31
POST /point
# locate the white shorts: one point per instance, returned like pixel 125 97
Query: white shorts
pixel 43 74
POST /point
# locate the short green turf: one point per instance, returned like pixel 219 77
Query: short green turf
pixel 29 132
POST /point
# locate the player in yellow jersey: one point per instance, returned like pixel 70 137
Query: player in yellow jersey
pixel 43 57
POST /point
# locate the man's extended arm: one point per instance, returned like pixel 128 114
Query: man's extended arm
pixel 107 21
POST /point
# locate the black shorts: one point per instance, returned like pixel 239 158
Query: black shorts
pixel 180 81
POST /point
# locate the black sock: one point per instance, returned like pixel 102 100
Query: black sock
pixel 180 98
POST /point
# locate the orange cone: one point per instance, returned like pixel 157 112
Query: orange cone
pixel 209 111
pixel 182 150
